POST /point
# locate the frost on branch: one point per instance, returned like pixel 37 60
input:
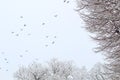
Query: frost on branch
pixel 54 70
pixel 102 18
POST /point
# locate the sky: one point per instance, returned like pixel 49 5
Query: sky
pixel 39 30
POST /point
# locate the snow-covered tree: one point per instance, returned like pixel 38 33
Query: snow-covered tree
pixel 63 70
pixel 102 72
pixel 98 72
pixel 34 71
pixel 81 74
pixel 102 17
pixel 54 70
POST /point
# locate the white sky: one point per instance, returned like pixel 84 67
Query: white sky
pixel 72 42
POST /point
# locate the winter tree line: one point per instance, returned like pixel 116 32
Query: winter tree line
pixel 102 20
pixel 62 70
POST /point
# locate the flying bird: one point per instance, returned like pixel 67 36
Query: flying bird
pixel 36 59
pixel 55 36
pixel 53 42
pixel 21 55
pixel 68 1
pixel 47 36
pixel 26 50
pixel 5 59
pixel 21 16
pixel 6 69
pixel 43 23
pixel 7 62
pixel 17 34
pixel 2 52
pixel 56 15
pixel 12 32
pixel 28 34
pixel 25 25
pixel 64 0
pixel 21 29
pixel 46 45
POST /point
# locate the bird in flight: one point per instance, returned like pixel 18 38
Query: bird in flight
pixel 47 36
pixel 67 1
pixel 21 16
pixel 56 15
pixel 17 34
pixel 55 36
pixel 64 0
pixel 25 25
pixel 2 52
pixel 43 23
pixel 21 55
pixel 6 69
pixel 7 62
pixel 5 59
pixel 26 50
pixel 53 42
pixel 28 34
pixel 21 29
pixel 46 45
pixel 12 32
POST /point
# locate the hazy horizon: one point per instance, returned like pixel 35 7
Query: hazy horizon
pixel 39 30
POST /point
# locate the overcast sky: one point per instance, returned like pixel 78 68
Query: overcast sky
pixel 39 30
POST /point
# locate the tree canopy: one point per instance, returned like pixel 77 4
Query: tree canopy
pixel 62 70
pixel 102 18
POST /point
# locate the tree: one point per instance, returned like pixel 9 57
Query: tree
pixel 99 72
pixel 54 70
pixel 102 72
pixel 102 18
pixel 33 72
pixel 63 70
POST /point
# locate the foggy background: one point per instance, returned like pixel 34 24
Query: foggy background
pixel 39 30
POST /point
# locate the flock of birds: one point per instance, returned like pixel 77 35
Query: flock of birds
pixel 17 35
pixel 5 60
pixel 66 1
pixel 21 29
